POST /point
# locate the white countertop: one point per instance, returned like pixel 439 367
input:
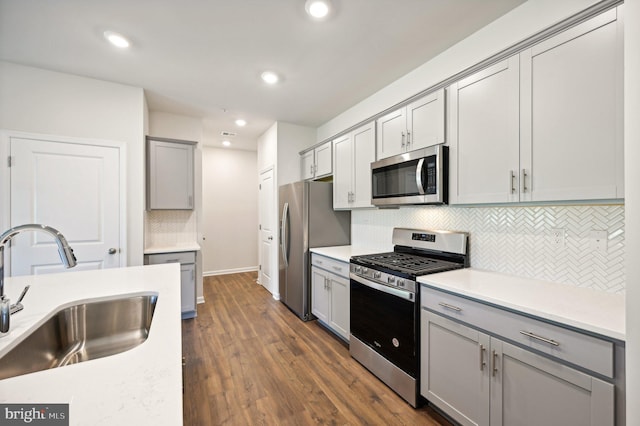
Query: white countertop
pixel 172 249
pixel 136 387
pixel 591 310
pixel 343 253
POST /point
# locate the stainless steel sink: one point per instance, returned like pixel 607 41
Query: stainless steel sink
pixel 82 332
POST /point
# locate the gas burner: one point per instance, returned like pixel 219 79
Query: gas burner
pixel 407 263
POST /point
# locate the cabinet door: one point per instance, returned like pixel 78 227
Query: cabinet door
pixel 484 135
pixel 425 121
pixel 319 294
pixel 572 111
pixel 307 165
pixel 530 390
pixel 323 160
pixel 188 288
pixel 339 305
pixel 170 175
pixel 391 134
pixel 364 153
pixel 454 369
pixel 343 172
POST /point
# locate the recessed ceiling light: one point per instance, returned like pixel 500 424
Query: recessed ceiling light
pixel 226 143
pixel 269 77
pixel 318 9
pixel 116 39
pixel 240 122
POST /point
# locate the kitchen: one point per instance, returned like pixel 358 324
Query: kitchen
pixel 108 111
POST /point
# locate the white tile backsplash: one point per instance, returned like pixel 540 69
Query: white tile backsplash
pixel 168 228
pixel 517 240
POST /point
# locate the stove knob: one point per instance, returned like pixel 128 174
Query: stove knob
pixel 377 274
pixel 391 280
pixel 400 283
pixel 358 270
pixel 365 270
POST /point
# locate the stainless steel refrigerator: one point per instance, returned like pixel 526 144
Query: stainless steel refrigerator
pixel 307 220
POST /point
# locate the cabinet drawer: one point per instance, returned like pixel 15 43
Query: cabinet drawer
pixel 569 345
pixel 332 265
pixel 177 257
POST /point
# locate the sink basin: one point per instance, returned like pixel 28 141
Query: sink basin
pixel 82 332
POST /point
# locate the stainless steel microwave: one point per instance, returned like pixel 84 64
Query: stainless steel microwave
pixel 416 177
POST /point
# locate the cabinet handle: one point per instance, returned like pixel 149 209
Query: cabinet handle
pixel 337 268
pixel 482 363
pixel 408 139
pixel 453 308
pixel 315 169
pixel 402 140
pixel 524 180
pixel 543 339
pixel 494 368
pixel 311 169
pixel 319 262
pixel 513 181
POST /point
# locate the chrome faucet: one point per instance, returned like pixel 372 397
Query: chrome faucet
pixel 66 255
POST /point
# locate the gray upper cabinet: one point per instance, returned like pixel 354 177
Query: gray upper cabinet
pixel 316 163
pixel 545 124
pixel 571 114
pixel 417 125
pixel 170 165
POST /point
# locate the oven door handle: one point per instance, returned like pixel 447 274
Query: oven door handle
pixel 406 295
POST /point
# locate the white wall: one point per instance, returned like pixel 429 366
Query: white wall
pixel 517 25
pixel 40 101
pixel 268 148
pixel 632 204
pixel 291 140
pixel 230 209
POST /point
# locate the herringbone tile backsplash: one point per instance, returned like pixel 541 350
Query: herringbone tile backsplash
pixel 517 240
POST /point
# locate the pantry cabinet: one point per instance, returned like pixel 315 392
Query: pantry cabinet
pixel 353 154
pixel 316 163
pixel 543 125
pixel 170 166
pixel 330 293
pixel 417 125
pixel 472 369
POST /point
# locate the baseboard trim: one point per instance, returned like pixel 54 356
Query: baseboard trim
pixel 229 271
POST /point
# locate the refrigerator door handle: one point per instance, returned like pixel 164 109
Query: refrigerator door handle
pixel 284 234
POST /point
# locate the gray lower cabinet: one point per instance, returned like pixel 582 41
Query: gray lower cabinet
pixel 481 379
pixel 330 293
pixel 187 261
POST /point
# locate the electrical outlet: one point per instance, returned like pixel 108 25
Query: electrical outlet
pixel 557 237
pixel 598 241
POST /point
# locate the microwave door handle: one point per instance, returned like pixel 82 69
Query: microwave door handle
pixel 284 234
pixel 419 181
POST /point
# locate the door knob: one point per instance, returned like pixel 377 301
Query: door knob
pixel 112 251
pixel 270 238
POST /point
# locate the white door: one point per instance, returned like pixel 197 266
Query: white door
pixel 267 246
pixel 73 187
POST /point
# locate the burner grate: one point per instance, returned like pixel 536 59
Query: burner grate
pixel 409 263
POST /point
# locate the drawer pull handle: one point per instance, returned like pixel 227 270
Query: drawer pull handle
pixel 172 261
pixel 337 268
pixel 319 262
pixel 543 339
pixel 453 308
pixel 482 363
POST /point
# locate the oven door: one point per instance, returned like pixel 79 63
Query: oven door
pixel 384 318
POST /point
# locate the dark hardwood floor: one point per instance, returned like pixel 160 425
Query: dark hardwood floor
pixel 250 361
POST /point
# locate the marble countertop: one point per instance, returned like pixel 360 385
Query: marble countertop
pixel 139 386
pixel 586 309
pixel 343 253
pixel 172 249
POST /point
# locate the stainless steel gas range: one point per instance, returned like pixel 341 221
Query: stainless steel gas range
pixel 385 303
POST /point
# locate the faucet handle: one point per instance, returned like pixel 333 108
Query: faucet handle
pixel 17 307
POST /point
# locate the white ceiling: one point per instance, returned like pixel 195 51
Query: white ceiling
pixel 204 57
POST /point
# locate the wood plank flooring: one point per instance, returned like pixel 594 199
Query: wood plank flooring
pixel 250 361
